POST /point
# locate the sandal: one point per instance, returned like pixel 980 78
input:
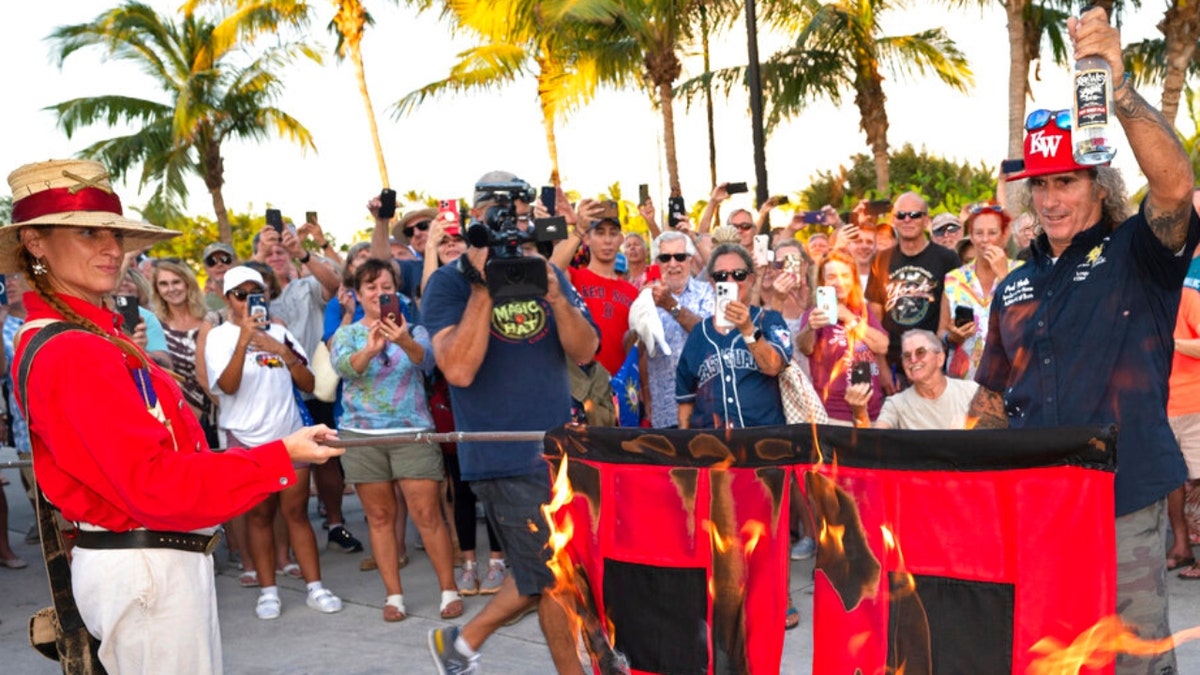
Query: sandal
pixel 452 605
pixel 14 563
pixel 393 609
pixel 291 570
pixel 1191 573
pixel 791 619
pixel 1176 561
pixel 248 579
pixel 324 601
pixel 267 607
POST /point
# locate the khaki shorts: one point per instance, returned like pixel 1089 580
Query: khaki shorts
pixel 380 464
pixel 1187 432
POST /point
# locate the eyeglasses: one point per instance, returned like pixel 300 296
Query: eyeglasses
pixel 214 260
pixel 980 208
pixel 915 355
pixel 1040 118
pixel 909 215
pixel 738 275
pixel 668 257
pixel 422 226
pixel 744 226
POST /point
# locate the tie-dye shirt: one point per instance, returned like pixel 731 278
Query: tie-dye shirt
pixel 390 394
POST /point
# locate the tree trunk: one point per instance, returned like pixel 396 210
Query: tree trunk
pixel 551 144
pixel 871 102
pixel 213 166
pixel 1018 76
pixel 708 108
pixel 361 74
pixel 666 96
pixel 1180 28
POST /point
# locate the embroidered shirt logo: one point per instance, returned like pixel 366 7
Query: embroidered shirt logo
pixel 1019 291
pixel 518 320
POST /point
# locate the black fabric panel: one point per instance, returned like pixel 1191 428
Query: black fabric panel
pixel 982 450
pixel 659 616
pixel 970 625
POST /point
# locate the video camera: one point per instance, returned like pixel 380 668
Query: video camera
pixel 509 273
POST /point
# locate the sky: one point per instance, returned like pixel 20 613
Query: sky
pixel 449 142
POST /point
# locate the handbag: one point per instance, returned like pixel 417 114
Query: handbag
pixel 325 378
pixel 801 404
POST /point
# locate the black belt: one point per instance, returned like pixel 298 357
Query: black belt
pixel 180 541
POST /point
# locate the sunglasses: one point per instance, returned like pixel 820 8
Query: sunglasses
pixel 668 257
pixel 738 275
pixel 240 295
pixel 916 354
pixel 980 208
pixel 949 228
pixel 1040 118
pixel 744 226
pixel 214 260
pixel 909 215
pixel 422 226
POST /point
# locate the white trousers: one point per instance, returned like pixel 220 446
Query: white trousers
pixel 154 610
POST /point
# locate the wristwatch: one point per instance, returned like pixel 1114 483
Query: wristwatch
pixel 674 311
pixel 753 338
pixel 305 259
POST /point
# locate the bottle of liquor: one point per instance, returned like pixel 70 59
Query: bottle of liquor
pixel 1092 105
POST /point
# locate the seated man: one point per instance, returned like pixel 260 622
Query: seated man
pixel 934 401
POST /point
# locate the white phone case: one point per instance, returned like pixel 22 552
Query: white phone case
pixel 827 301
pixel 726 291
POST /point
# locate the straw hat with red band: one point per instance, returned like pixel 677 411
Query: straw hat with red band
pixel 1048 149
pixel 72 192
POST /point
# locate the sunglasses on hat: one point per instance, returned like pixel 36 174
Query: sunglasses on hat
pixel 411 229
pixel 980 208
pixel 1040 118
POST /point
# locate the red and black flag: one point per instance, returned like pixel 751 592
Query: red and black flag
pixel 940 552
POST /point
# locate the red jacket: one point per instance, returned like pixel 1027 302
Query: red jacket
pixel 102 458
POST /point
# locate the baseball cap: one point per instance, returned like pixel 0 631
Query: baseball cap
pixel 608 213
pixel 1048 145
pixel 492 177
pixel 240 275
pixel 943 222
pixel 215 247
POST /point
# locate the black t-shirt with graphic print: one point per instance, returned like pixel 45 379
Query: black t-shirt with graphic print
pixel 910 290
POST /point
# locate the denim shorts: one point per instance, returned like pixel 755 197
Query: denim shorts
pixel 513 506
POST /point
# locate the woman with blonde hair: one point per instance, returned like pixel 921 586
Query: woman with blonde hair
pixel 178 303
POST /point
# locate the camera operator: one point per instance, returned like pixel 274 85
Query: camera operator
pixel 506 361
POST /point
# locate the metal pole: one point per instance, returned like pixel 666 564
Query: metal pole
pixel 754 82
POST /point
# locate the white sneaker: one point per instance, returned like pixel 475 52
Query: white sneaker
pixel 324 601
pixel 268 607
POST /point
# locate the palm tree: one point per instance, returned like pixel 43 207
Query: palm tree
pixel 349 22
pixel 214 90
pixel 565 45
pixel 1170 59
pixel 839 48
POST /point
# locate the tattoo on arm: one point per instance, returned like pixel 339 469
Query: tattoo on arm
pixel 1170 228
pixel 987 411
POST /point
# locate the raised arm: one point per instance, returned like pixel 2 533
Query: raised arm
pixel 1159 153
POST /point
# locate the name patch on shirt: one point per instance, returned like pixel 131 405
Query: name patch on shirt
pixel 1019 291
pixel 1095 258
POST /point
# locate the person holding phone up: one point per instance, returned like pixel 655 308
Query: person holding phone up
pixel 252 365
pixel 726 377
pixel 967 291
pixel 383 361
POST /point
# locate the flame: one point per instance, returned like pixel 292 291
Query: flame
pixel 560 534
pixel 1099 646
pixel 752 531
pixel 831 535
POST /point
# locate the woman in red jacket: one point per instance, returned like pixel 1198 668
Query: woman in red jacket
pixel 115 446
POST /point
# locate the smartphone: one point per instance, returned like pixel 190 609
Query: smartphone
pixel 256 304
pixel 275 220
pixel 827 302
pixel 676 211
pixel 727 291
pixel 549 198
pixel 448 208
pixel 963 315
pixel 387 203
pixel 310 217
pixel 813 217
pixel 127 305
pixel 389 307
pixel 860 373
pixel 3 290
pixel 621 263
pixel 780 200
pixel 878 207
pixel 762 248
pixel 1011 166
pixel 736 188
pixel 653 274
pixel 791 263
pixel 643 194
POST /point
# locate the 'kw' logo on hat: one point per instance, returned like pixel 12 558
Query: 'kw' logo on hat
pixel 1044 145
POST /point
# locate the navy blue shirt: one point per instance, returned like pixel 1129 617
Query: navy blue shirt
pixel 522 384
pixel 1087 340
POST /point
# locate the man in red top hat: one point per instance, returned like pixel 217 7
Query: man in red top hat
pixel 1081 334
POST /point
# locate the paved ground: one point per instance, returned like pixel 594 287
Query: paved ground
pixel 356 641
